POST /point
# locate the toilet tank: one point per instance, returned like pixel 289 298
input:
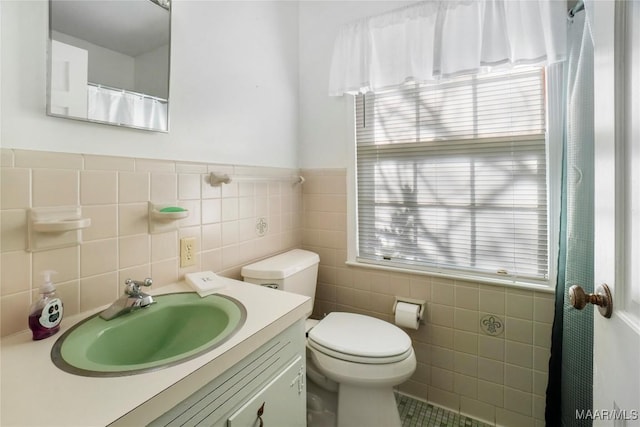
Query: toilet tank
pixel 294 271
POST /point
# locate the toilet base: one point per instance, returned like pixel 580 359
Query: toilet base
pixel 367 406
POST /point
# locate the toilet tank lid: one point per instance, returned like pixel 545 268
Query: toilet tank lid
pixel 281 266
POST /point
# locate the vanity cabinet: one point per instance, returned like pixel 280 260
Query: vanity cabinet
pixel 268 385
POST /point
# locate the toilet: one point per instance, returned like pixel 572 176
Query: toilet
pixel 359 357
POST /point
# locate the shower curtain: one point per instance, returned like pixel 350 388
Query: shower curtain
pixel 127 108
pixel 571 364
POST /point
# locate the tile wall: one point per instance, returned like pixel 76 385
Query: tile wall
pixel 499 378
pixel 113 192
pixel 495 378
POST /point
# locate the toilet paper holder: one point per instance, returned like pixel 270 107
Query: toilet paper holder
pixel 421 303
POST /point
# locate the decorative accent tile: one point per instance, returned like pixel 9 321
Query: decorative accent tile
pixel 492 325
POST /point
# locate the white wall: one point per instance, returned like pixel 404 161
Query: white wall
pixel 324 123
pixel 106 66
pixel 234 87
pixel 249 84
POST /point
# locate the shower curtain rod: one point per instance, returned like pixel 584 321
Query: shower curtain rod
pixel 576 8
pixel 116 89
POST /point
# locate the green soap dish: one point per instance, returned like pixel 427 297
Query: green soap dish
pixel 170 213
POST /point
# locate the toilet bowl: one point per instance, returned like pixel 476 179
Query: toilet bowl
pixel 366 357
pixel 360 357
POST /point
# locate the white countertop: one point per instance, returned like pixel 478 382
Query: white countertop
pixel 34 392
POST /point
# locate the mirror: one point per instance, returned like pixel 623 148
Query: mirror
pixel 109 62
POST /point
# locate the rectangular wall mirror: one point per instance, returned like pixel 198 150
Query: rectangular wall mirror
pixel 109 62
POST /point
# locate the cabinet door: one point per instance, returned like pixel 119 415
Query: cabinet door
pixel 280 403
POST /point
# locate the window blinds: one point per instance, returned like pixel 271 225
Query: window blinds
pixel 452 176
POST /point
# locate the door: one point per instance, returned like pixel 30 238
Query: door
pixel 69 74
pixel 616 32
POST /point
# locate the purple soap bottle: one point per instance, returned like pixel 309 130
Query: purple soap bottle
pixel 45 314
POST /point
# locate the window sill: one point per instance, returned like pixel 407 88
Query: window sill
pixel 507 283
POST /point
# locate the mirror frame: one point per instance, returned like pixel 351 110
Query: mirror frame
pixel 49 76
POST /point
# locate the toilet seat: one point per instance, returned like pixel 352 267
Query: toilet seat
pixel 360 339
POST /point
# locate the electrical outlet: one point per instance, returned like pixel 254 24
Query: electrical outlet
pixel 187 251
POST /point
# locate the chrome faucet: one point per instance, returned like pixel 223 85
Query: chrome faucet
pixel 132 299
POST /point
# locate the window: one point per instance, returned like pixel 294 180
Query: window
pixel 452 177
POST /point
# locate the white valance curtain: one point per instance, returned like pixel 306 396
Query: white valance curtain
pixel 439 39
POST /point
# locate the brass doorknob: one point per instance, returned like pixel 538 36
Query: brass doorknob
pixel 602 298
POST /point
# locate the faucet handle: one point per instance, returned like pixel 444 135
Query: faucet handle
pixel 133 286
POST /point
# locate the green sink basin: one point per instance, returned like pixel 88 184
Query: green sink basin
pixel 177 328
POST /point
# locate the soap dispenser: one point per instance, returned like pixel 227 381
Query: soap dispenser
pixel 46 313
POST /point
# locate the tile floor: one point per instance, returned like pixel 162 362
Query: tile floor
pixel 415 413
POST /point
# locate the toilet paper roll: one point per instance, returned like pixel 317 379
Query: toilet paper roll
pixel 407 315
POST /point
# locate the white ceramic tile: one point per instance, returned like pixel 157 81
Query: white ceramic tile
pixel 133 187
pixel 519 354
pixel 465 385
pixel 466 364
pixel 519 304
pixel 465 342
pixel 491 301
pixel 13 229
pixel 519 330
pixel 466 297
pixel 541 358
pixel 441 315
pixel 133 218
pixel 6 158
pixel 229 233
pixel 442 378
pixel 98 187
pixel 16 188
pixel 442 292
pixel 542 334
pixel 211 211
pixel 441 336
pixel 98 257
pixel 477 410
pixel 164 187
pixel 108 163
pixel 490 392
pixel 543 310
pixel 491 347
pixel 507 418
pixel 467 320
pixel 540 380
pixel 15 274
pixel 14 312
pixel 164 246
pixel 164 272
pixel 47 160
pixel 97 291
pixel 133 250
pixel 211 236
pixel 104 222
pixel 188 186
pixel 65 261
pixel 444 398
pixel 491 370
pixel 148 165
pixel 518 378
pixel 229 209
pixel 55 187
pixel 518 401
